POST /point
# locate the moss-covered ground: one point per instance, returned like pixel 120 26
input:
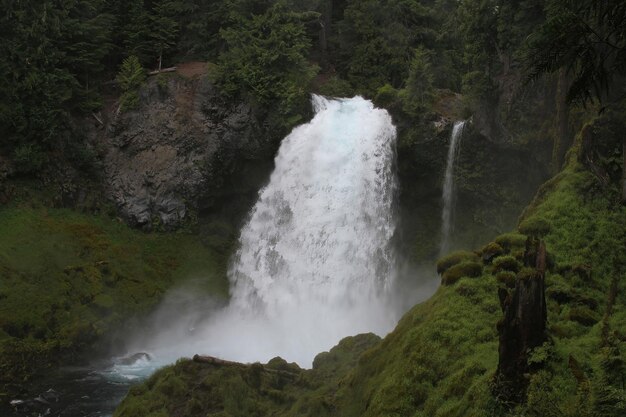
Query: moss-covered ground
pixel 442 357
pixel 69 279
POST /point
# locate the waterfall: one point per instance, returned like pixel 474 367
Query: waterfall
pixel 315 261
pixel 448 197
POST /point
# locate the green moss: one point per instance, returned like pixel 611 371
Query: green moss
pixel 506 263
pixel 507 278
pixel 454 258
pixel 526 273
pixel 469 269
pixel 510 241
pixel 490 251
pixel 535 226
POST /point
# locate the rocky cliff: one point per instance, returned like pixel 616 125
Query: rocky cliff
pixel 183 150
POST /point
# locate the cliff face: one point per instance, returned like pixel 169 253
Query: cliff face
pixel 177 153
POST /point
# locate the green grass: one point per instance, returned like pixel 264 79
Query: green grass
pixel 68 279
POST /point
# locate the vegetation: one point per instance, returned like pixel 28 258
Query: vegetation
pixel 70 279
pixel 464 269
pixel 130 78
pixel 454 258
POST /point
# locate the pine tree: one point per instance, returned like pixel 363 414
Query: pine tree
pixel 164 27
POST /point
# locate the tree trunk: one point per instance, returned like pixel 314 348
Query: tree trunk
pixel 522 328
pixel 160 60
pixel 562 140
pixel 623 168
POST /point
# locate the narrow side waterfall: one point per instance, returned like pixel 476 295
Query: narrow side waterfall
pixel 315 262
pixel 448 197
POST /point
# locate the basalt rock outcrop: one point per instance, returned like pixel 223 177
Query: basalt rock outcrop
pixel 183 150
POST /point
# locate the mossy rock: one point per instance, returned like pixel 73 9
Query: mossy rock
pixel 455 258
pixel 491 251
pixel 469 269
pixel 280 364
pixel 507 278
pixel 583 315
pixel 535 227
pixel 506 263
pixel 509 241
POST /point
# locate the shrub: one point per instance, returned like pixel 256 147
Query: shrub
pixel 454 258
pixel 470 269
pixel 535 227
pixel 386 96
pixel 507 278
pixel 509 241
pixel 506 263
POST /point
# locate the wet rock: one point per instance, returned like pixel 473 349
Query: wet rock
pixel 42 405
pixel 134 358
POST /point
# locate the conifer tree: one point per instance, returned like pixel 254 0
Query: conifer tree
pixel 164 27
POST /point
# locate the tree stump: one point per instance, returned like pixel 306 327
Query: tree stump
pixel 523 327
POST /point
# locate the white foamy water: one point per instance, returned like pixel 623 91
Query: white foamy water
pixel 448 198
pixel 315 262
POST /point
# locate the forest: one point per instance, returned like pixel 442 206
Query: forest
pixel 136 137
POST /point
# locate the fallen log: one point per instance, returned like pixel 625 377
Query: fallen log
pixel 221 362
pixel 216 361
pixel 156 72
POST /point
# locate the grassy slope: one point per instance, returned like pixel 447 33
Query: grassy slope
pixel 441 358
pixel 69 278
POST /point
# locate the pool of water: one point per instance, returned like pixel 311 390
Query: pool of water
pixel 93 391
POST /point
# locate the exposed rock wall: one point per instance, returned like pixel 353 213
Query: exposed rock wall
pixel 176 153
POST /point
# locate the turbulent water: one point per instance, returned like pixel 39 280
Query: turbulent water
pixel 315 261
pixel 447 214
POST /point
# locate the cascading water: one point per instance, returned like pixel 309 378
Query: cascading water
pixel 315 262
pixel 447 214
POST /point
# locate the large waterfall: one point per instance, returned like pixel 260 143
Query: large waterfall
pixel 448 198
pixel 315 261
